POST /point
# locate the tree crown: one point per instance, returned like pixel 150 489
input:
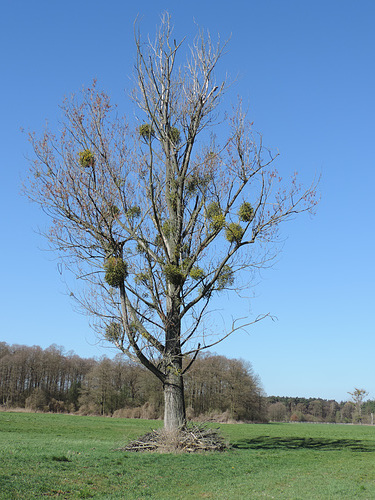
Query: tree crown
pixel 160 217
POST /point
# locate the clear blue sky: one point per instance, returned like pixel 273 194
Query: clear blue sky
pixel 306 70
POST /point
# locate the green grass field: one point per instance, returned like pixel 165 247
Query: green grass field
pixel 66 456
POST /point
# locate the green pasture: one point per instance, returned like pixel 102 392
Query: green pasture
pixel 45 455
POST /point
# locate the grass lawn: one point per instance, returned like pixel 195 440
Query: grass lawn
pixel 43 455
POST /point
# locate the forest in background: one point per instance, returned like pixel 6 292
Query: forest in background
pixel 216 388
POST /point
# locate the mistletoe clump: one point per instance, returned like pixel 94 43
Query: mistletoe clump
pixel 133 212
pixel 174 135
pixel 197 181
pixel 213 209
pixel 113 331
pixel 234 233
pixel 196 273
pixel 215 215
pixel 113 210
pixel 225 278
pixel 116 270
pixel 192 184
pixel 218 222
pixel 146 131
pixel 86 158
pixel 174 274
pixel 246 212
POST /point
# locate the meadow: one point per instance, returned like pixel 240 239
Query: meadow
pixel 67 456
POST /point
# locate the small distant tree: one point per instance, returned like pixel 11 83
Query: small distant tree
pixel 316 408
pixel 277 412
pixel 347 412
pixel 37 400
pixel 161 217
pixel 358 397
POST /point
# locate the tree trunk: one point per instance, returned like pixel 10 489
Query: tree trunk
pixel 174 402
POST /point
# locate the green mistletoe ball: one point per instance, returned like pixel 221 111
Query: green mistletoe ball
pixel 86 158
pixel 116 270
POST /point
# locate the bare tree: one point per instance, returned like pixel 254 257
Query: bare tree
pixel 358 397
pixel 161 217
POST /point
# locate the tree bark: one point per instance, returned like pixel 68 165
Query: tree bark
pixel 174 402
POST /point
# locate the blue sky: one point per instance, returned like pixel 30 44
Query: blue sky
pixel 306 71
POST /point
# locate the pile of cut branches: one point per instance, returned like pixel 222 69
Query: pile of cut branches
pixel 189 439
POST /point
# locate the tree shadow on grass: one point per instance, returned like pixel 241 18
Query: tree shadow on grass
pixel 296 443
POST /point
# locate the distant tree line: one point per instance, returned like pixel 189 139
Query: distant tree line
pixel 286 409
pixel 51 380
pixel 216 388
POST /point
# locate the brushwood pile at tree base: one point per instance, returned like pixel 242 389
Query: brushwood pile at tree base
pixel 188 439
